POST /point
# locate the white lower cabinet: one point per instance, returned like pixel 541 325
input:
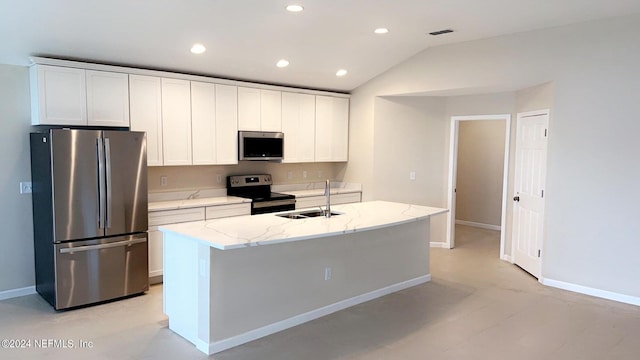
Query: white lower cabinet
pixel 336 199
pixel 168 217
pixel 221 211
pixel 165 217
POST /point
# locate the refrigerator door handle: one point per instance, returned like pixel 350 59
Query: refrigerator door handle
pixel 107 146
pixel 101 246
pixel 101 185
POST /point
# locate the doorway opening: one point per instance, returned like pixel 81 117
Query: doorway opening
pixel 453 177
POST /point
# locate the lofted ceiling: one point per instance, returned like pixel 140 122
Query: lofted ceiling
pixel 245 38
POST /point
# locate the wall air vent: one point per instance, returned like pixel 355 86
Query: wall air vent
pixel 440 32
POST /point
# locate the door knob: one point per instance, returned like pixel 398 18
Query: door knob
pixel 516 198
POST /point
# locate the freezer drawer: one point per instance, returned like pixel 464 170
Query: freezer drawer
pixel 101 269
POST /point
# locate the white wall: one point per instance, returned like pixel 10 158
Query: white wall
pixel 480 171
pixel 16 257
pixel 592 192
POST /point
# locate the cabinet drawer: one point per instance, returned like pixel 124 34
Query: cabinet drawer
pixel 165 217
pixel 215 212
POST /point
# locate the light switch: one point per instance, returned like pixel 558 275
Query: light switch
pixel 412 175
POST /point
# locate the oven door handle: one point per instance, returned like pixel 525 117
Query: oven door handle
pixel 264 204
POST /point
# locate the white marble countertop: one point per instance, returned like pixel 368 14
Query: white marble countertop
pixel 253 230
pixel 198 202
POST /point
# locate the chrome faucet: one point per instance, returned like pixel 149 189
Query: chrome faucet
pixel 327 193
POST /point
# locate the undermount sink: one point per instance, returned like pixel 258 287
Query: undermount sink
pixel 306 214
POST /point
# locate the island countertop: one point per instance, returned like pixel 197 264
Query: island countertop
pixel 254 230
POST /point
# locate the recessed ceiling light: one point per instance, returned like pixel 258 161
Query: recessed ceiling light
pixel 381 30
pixel 294 8
pixel 282 63
pixel 198 49
pixel 341 72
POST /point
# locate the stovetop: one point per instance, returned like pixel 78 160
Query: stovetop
pixel 255 187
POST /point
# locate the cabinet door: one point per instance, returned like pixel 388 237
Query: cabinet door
pixel 332 128
pixel 176 122
pixel 145 101
pixel 58 96
pixel 203 123
pixel 107 98
pixel 298 125
pixel 270 110
pixel 340 129
pixel 248 109
pixel 226 124
pixel 155 252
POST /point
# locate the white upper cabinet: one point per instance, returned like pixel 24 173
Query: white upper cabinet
pixel 226 124
pixel 249 109
pixel 107 98
pixel 176 122
pixel 69 96
pixel 203 123
pixel 298 126
pixel 332 128
pixel 145 97
pixel 270 110
pixel 259 110
pixel 58 95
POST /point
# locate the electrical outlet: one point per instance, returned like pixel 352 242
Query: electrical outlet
pixel 25 187
pixel 412 175
pixel 319 174
pixel 327 273
pixel 163 180
pixel 219 178
pixel 304 174
pixel 290 175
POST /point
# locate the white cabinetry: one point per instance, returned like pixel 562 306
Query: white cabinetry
pixel 332 128
pixel 58 95
pixel 78 97
pixel 166 217
pixel 145 97
pixel 336 199
pixel 226 124
pixel 298 126
pixel 176 122
pixel 222 211
pixel 107 98
pixel 214 123
pixel 270 110
pixel 259 110
pixel 203 123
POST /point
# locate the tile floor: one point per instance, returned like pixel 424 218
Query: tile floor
pixel 476 307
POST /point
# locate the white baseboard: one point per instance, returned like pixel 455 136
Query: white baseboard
pixel 228 343
pixel 609 295
pixel 506 258
pixel 8 294
pixel 479 225
pixel 438 244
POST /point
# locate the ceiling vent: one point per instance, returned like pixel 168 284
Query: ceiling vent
pixel 440 32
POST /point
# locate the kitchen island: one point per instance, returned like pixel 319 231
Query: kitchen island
pixel 232 280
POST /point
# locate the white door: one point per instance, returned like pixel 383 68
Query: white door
pixel 528 208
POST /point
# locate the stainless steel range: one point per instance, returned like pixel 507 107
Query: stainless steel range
pixel 258 189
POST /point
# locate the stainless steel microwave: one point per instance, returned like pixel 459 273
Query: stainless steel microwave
pixel 260 145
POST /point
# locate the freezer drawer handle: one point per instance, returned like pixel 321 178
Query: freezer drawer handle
pixel 102 246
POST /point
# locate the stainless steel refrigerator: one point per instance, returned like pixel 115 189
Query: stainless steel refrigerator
pixel 89 215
